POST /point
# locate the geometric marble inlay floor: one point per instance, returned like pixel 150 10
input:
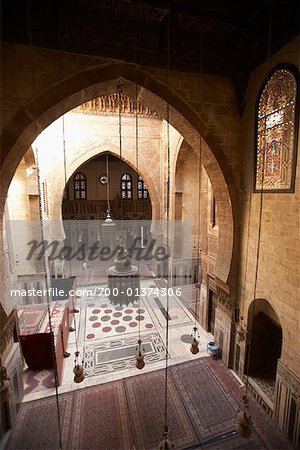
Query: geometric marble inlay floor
pixel 107 336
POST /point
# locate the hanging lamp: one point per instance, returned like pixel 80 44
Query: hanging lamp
pixel 194 349
pixel 123 277
pixel 48 298
pixel 244 422
pixel 166 442
pixel 108 228
pixel 74 309
pixel 140 363
pixel 60 443
pixel 78 369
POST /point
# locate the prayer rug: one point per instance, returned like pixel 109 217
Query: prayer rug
pixel 265 429
pixel 37 424
pixel 203 399
pixel 211 408
pixel 100 419
pixel 145 395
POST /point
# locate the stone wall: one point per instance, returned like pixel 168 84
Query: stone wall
pixel 278 276
pixel 278 265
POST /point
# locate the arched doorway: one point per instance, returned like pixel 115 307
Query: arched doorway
pixel 85 195
pixel 265 347
pixel 85 207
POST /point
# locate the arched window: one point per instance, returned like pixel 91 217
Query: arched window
pixel 126 186
pixel 275 133
pixel 80 186
pixel 142 188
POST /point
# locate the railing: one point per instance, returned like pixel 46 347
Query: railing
pixel 259 396
pixel 96 209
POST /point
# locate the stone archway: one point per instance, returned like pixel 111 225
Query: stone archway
pixel 84 85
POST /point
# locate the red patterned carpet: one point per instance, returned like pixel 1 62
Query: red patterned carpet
pixel 128 414
pixel 37 424
pixel 101 419
pixel 146 408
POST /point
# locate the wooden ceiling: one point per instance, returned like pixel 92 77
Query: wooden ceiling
pixel 224 37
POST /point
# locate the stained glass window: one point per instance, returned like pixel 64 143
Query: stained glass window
pixel 80 186
pixel 126 186
pixel 275 145
pixel 142 188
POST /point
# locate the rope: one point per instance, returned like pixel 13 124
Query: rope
pixel 137 169
pixel 120 116
pixel 168 220
pixel 48 301
pixel 42 233
pixel 198 226
pixel 260 217
pixel 107 184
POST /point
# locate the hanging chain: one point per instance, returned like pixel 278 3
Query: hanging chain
pixel 42 237
pixel 260 219
pixel 107 184
pixel 137 168
pixel 119 89
pixel 168 226
pixel 48 300
pixel 198 285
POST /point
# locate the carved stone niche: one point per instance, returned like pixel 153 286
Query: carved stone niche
pixel 223 295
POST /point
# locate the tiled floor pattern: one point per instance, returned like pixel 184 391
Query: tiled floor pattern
pixel 119 354
pixel 107 338
pixel 103 319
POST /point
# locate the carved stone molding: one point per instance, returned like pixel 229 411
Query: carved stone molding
pixel 109 104
pixel 223 295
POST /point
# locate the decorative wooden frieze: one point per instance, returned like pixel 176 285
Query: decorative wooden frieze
pixel 134 8
pixel 110 103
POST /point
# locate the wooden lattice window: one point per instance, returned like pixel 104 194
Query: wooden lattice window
pixel 142 190
pixel 126 186
pixel 80 186
pixel 275 156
